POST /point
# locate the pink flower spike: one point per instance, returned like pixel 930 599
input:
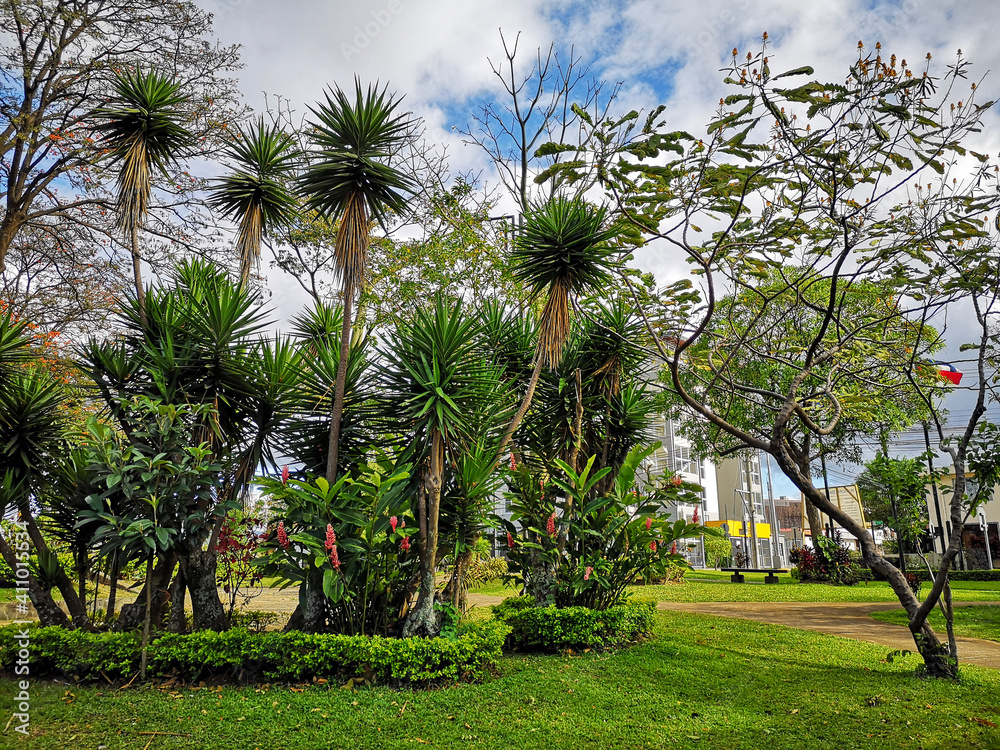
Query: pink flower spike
pixel 334 558
pixel 513 463
pixel 282 535
pixel 652 546
pixel 284 474
pixel 586 574
pixel 331 538
pixel 550 527
pixel 405 544
pixel 393 522
pixel 510 541
pixel 673 548
pixel 649 522
pixel 402 524
pixel 694 518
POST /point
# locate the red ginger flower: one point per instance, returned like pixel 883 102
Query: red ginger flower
pixel 513 463
pixel 587 572
pixel 282 535
pixel 393 522
pixel 649 522
pixel 673 548
pixel 694 518
pixel 652 546
pixel 676 480
pixel 284 474
pixel 331 538
pixel 405 544
pixel 334 558
pixel 551 525
pixel 510 541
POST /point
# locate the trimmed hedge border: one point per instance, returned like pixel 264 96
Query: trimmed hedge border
pixel 549 629
pixel 962 575
pixel 240 654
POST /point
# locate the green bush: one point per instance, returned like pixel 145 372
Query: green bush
pixel 240 654
pixel 961 575
pixel 254 620
pixel 66 562
pixel 552 629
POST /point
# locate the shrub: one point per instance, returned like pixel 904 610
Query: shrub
pixel 485 569
pixel 238 653
pixel 828 562
pixel 552 629
pixel 962 575
pixel 254 620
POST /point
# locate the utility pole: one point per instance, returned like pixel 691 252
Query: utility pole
pixel 937 503
pixel 775 556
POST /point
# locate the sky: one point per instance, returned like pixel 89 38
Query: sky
pixel 437 55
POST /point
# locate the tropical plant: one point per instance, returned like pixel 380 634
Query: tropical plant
pixel 142 131
pixel 585 548
pixel 349 177
pixel 346 545
pixel 255 193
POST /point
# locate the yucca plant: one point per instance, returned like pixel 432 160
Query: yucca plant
pixel 142 131
pixel 256 192
pixel 563 250
pixel 439 394
pixel 350 178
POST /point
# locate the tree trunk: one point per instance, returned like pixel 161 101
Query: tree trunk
pixel 199 568
pixel 333 451
pixel 146 618
pixel 422 619
pixel 133 615
pixel 938 661
pixel 176 620
pixel 457 590
pixel 312 606
pixel 140 292
pixel 77 608
pixel 113 593
pixel 49 613
pixel 523 409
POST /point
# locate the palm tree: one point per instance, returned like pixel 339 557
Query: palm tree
pixel 350 179
pixel 142 132
pixel 562 251
pixel 256 193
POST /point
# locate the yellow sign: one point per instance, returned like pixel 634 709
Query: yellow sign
pixel 741 529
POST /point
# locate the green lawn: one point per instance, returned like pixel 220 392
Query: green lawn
pixel 701 682
pixel 970 622
pixel 710 591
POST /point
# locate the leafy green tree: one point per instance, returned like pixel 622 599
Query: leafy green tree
pixel 349 177
pixel 845 184
pixel 142 131
pixel 894 494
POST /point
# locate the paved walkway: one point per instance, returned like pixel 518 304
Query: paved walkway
pixel 844 619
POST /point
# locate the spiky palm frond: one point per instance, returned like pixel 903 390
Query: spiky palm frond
pixel 256 193
pixel 32 425
pixel 563 250
pixel 143 132
pixel 350 176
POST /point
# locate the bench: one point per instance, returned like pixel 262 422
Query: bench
pixel 771 577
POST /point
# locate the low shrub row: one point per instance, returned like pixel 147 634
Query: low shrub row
pixel 240 654
pixel 962 575
pixel 551 629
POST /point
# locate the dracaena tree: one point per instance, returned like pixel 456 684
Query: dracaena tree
pixel 256 193
pixel 441 396
pixel 564 250
pixel 350 177
pixel 143 132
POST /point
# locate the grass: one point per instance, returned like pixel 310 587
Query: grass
pixel 709 591
pixel 700 682
pixel 970 622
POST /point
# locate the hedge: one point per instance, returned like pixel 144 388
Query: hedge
pixel 240 654
pixel 552 629
pixel 961 575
